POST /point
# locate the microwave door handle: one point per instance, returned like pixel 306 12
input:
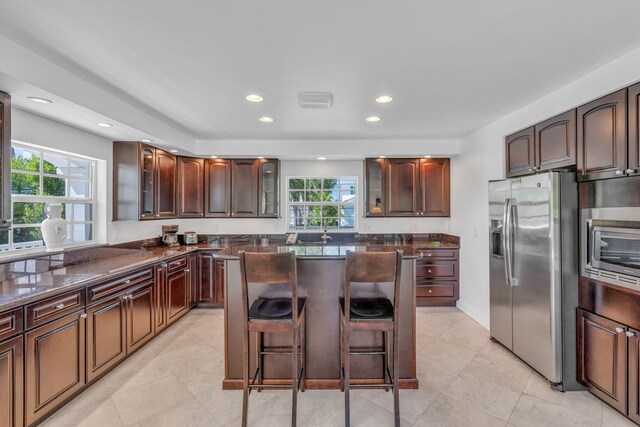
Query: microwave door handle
pixel 506 240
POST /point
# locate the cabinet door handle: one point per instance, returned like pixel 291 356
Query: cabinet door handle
pixel 619 172
pixel 83 316
pixel 630 334
pixel 629 171
pixel 619 330
pixel 428 254
pixel 429 271
pixel 60 306
pixel 186 270
pixel 429 290
pixel 126 282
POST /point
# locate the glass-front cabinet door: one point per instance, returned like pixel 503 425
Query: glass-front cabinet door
pixel 268 188
pixel 374 191
pixel 147 196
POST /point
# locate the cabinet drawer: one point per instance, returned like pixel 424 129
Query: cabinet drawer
pixel 177 264
pixel 54 308
pixel 428 254
pixel 100 291
pixel 10 323
pixel 444 290
pixel 441 270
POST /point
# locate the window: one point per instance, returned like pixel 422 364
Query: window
pixel 316 203
pixel 38 177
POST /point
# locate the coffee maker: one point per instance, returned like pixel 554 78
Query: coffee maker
pixel 170 235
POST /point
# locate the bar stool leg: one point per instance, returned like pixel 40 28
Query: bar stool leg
pixel 294 376
pixel 303 355
pixel 385 358
pixel 260 347
pixel 396 379
pixel 347 373
pixel 245 380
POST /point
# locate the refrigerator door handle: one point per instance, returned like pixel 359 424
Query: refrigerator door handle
pixel 506 240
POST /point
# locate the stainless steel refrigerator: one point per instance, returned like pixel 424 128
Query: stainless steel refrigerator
pixel 534 272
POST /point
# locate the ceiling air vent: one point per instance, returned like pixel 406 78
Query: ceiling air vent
pixel 315 99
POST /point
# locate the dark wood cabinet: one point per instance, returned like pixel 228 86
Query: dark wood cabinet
pixel 602 358
pixel 217 183
pixel 434 187
pixel 602 137
pixel 140 316
pixel 520 152
pixel 192 278
pixel 403 187
pixel 106 335
pixel 268 188
pixel 407 187
pixel 178 288
pixel 244 188
pixel 633 153
pixel 160 297
pixel 144 182
pixel 54 364
pixel 633 345
pixel 437 277
pixel 11 382
pixel 5 160
pixel 190 187
pixel 375 194
pixel 211 280
pixel 555 142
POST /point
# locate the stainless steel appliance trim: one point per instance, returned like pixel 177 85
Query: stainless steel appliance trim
pixel 604 271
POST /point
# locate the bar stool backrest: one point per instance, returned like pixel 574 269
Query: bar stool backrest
pixel 373 268
pixel 269 269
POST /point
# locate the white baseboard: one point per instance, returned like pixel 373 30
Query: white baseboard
pixel 473 313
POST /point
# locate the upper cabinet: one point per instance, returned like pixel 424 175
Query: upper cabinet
pixel 602 137
pixel 374 175
pixel 403 187
pixel 241 188
pixel 244 188
pixel 5 160
pixel 190 187
pixel 406 187
pixel 633 161
pixel 144 182
pixel 520 152
pixel 268 186
pixel 555 142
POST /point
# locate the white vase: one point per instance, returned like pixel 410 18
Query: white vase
pixel 54 228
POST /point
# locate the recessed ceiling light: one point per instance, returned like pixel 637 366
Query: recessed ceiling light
pixel 146 140
pixel 254 98
pixel 322 158
pixel 266 119
pixel 214 157
pixel 174 151
pixel 384 99
pixel 105 125
pixel 261 157
pixel 372 119
pixel 40 100
pixel 381 157
pixel 427 157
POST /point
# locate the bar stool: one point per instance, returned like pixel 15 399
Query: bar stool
pixel 370 269
pixel 272 313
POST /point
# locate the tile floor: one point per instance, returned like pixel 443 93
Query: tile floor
pixel 465 380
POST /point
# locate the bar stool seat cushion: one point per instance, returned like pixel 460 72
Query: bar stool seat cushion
pixel 273 309
pixel 369 308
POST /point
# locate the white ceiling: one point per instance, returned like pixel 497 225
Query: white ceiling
pixel 452 66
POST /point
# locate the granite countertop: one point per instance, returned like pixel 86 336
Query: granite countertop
pixel 29 287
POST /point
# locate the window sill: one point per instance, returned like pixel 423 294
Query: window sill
pixel 22 254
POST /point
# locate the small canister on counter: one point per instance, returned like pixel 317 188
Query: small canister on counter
pixel 190 238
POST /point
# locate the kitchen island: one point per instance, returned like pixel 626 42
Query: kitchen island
pixel 320 281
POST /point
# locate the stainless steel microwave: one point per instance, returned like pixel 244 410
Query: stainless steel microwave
pixel 610 245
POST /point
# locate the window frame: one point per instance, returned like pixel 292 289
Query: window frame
pixel 65 200
pixel 354 203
